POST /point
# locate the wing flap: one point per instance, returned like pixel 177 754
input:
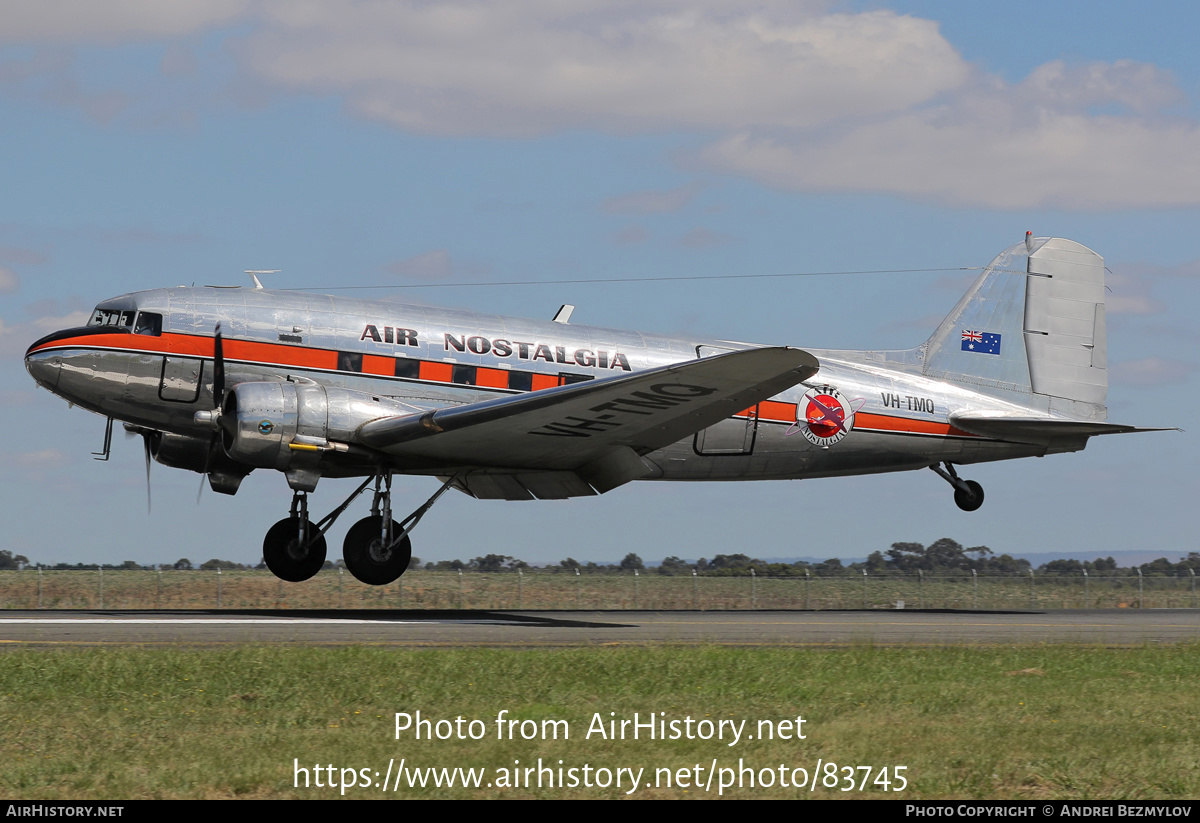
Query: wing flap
pixel 593 424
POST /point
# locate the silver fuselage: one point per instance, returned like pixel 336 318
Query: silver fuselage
pixel 423 358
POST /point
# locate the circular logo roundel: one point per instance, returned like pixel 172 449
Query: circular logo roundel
pixel 265 427
pixel 825 416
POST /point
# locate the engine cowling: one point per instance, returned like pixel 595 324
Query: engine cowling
pixel 290 426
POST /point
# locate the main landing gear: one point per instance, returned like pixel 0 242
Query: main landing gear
pixel 968 495
pixel 294 549
pixel 376 550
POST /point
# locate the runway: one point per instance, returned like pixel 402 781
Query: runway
pixel 1123 627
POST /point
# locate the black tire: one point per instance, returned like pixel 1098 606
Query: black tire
pixel 364 556
pixel 284 555
pixel 971 501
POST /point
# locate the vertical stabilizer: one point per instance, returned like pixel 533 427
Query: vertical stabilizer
pixel 1032 323
pixel 1064 322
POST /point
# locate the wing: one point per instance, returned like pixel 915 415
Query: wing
pixel 599 429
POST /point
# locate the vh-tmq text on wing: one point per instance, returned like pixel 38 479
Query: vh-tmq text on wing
pixel 599 428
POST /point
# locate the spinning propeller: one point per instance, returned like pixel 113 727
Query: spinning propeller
pixel 147 434
pixel 215 418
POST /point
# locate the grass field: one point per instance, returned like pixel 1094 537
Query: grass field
pixel 539 589
pixel 996 722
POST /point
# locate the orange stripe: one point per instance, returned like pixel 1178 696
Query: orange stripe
pixel 779 412
pixel 441 372
pixel 280 355
pixel 491 378
pixel 167 344
pixel 544 381
pixel 883 422
pixel 376 364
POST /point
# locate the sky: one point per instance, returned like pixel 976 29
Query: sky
pixel 415 146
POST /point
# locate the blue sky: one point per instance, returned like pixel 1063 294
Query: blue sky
pixel 396 144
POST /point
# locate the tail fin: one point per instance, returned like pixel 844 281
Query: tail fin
pixel 1031 324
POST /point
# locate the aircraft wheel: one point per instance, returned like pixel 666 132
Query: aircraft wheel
pixel 969 502
pixel 368 559
pixel 284 555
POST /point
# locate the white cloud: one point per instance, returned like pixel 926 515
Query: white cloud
pixel 8 280
pixel 470 67
pixel 16 338
pixel 789 93
pixel 797 97
pixel 113 21
pixel 994 150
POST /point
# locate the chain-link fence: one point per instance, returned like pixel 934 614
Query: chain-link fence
pixel 566 589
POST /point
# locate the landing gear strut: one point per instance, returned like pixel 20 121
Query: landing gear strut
pixel 968 495
pixel 377 549
pixel 293 549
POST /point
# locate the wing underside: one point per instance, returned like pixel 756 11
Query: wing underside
pixel 588 437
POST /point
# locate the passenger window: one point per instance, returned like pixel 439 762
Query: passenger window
pixel 148 323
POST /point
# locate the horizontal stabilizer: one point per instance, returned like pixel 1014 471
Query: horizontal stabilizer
pixel 600 427
pixel 1019 427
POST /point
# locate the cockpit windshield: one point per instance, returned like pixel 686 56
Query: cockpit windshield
pixel 112 317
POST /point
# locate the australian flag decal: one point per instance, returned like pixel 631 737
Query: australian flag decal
pixel 981 342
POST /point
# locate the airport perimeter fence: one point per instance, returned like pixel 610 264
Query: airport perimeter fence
pixel 565 589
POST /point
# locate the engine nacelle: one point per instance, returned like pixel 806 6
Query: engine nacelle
pixel 290 426
pixel 179 451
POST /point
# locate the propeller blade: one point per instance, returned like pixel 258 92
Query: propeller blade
pixel 146 443
pixel 213 444
pixel 218 367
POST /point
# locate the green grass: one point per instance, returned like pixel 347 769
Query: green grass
pixel 996 722
pixel 541 589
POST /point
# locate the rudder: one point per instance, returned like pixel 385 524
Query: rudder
pixel 1032 323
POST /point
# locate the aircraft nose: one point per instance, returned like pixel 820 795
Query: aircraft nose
pixel 43 366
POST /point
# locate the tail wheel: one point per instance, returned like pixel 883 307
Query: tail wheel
pixel 368 557
pixel 287 557
pixel 971 500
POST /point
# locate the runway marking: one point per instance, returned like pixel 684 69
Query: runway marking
pixel 258 621
pixel 955 624
pixel 252 621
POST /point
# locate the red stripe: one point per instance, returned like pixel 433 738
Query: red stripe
pixel 375 364
pixel 275 354
pixel 777 412
pixel 438 372
pixel 491 378
pixel 883 422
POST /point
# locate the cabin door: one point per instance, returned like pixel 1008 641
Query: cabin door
pixel 732 436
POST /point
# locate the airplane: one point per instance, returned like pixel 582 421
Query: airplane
pixel 225 380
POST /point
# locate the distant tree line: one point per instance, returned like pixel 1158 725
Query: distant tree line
pixel 940 557
pixel 943 556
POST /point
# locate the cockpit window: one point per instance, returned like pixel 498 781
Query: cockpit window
pixel 112 317
pixel 148 323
